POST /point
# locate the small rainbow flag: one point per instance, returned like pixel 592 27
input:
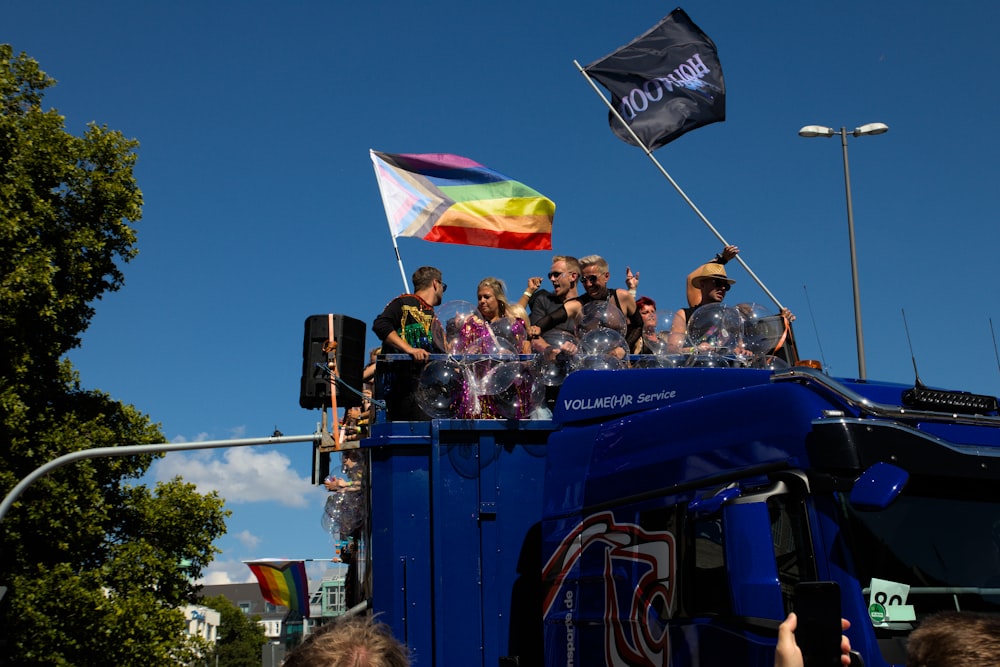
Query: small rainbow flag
pixel 284 583
pixel 452 199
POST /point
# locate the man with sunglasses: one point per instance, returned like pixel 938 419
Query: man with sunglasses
pixel 594 275
pixel 404 327
pixel 564 274
pixel 712 283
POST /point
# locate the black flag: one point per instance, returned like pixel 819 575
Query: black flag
pixel 664 83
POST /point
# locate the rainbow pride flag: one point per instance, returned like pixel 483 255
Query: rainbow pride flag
pixel 283 583
pixel 452 199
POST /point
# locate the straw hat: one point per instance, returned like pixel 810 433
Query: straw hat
pixel 711 270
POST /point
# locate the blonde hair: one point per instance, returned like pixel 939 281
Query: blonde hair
pixel 517 311
pixel 499 291
pixel 594 260
pixel 350 642
pixel 572 263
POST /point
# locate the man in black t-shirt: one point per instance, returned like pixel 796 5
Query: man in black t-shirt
pixel 404 327
pixel 564 274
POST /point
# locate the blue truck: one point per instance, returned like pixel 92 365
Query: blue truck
pixel 663 516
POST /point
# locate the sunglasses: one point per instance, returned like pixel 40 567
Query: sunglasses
pixel 721 284
pixel 444 286
pixel 588 280
pixel 555 274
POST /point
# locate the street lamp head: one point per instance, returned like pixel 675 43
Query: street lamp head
pixel 870 128
pixel 817 131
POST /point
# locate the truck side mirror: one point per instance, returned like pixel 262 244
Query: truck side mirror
pixel 878 487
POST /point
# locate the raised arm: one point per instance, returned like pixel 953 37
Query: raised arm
pixel 533 284
pixel 693 293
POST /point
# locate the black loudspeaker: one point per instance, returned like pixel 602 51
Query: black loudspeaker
pixel 349 334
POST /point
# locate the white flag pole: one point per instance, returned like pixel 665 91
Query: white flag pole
pixel 677 187
pixel 392 232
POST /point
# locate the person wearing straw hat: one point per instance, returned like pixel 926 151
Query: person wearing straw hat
pixel 713 284
pixel 694 293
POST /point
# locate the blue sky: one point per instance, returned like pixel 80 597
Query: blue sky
pixel 261 207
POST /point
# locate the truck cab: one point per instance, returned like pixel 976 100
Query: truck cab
pixel 663 516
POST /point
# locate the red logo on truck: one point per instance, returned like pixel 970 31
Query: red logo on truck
pixel 636 608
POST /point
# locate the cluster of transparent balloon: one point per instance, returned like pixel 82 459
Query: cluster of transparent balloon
pixel 344 511
pixel 743 335
pixel 484 378
pixel 342 514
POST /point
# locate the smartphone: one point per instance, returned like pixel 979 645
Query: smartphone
pixel 818 633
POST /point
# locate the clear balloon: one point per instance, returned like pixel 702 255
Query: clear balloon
pixel 475 337
pixel 512 331
pixel 552 365
pixel 599 362
pixel 342 513
pixel 440 389
pixel 601 349
pixel 330 520
pixel 493 377
pixel 508 404
pixel 646 361
pixel 668 360
pixel 660 358
pixel 715 326
pixel 519 399
pixel 603 341
pixel 707 360
pixel 537 389
pixel 447 327
pixel 654 344
pixel 504 349
pixel 769 362
pixel 762 329
pixel 664 322
pixel 601 315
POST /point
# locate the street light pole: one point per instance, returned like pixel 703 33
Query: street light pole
pixel 820 131
pixel 860 337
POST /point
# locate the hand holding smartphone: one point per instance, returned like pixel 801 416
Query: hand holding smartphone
pixel 817 606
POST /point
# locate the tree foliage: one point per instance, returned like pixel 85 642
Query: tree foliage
pixel 90 556
pixel 241 638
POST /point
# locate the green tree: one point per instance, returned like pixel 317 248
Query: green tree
pixel 240 639
pixel 90 556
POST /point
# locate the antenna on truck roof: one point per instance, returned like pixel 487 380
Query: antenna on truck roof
pixel 922 398
pixel 995 353
pixel 916 375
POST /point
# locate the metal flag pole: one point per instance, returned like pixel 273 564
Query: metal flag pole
pixel 399 260
pixel 677 187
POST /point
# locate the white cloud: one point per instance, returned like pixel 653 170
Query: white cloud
pixel 226 572
pixel 247 539
pixel 240 475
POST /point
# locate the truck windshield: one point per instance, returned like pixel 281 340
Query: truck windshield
pixel 944 543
